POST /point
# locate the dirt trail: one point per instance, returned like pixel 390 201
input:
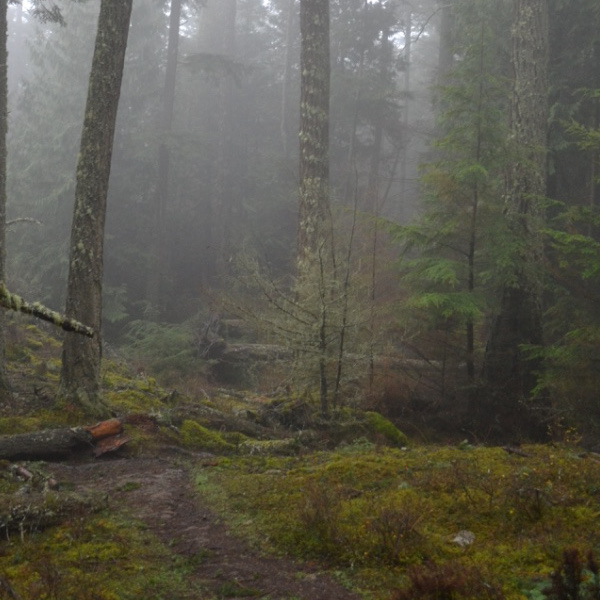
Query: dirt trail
pixel 158 492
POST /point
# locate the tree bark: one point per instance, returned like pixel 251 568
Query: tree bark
pixel 80 379
pixel 519 323
pixel 315 258
pixel 157 269
pixel 14 302
pixel 4 385
pixel 55 443
pixel 446 49
pixel 287 79
pixel 314 131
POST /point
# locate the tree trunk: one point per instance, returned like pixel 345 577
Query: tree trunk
pixel 157 268
pixel 315 260
pixel 55 443
pixel 80 380
pixel 446 49
pixel 226 202
pixel 217 37
pixel 519 323
pixel 4 385
pixel 314 131
pixel 287 79
pixel 374 204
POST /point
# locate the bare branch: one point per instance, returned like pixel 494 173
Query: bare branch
pixel 14 302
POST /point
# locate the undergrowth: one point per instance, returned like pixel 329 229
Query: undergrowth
pixel 100 557
pixel 399 522
pixel 396 519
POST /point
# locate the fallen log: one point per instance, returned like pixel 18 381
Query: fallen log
pixel 56 443
pixel 14 302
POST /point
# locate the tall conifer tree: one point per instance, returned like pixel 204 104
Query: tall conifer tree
pixel 4 386
pixel 519 321
pixel 314 240
pixel 80 380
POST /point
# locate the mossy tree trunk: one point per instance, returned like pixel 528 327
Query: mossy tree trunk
pixel 313 228
pixel 508 372
pixel 80 380
pixel 315 246
pixel 4 385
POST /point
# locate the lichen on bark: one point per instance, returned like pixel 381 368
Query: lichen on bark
pixel 80 380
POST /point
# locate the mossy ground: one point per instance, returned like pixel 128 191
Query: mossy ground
pixel 99 557
pixel 369 508
pixel 373 512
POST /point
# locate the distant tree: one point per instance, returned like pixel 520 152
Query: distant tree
pixel 574 56
pixel 157 268
pixel 290 29
pixel 519 322
pixel 447 34
pixel 80 379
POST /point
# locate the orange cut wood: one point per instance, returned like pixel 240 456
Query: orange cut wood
pixel 105 429
pixel 110 444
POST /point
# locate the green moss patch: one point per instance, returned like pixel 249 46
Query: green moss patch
pixel 194 435
pixel 101 558
pixel 377 512
pixel 386 429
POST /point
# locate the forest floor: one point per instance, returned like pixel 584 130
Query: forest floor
pixel 158 491
pixel 217 492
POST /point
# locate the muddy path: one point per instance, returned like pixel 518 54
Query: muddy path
pixel 159 492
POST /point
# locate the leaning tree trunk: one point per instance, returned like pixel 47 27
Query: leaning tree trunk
pixel 80 380
pixel 4 385
pixel 519 323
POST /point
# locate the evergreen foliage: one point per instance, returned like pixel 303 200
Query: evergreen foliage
pixel 46 121
pixel 453 256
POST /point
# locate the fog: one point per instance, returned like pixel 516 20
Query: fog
pixel 205 170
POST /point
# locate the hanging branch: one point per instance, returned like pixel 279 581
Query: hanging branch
pixel 14 302
pixel 23 220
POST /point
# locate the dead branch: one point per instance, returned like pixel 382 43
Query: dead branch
pixel 15 302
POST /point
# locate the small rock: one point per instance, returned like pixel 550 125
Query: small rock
pixel 464 538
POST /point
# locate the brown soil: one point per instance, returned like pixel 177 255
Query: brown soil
pixel 158 491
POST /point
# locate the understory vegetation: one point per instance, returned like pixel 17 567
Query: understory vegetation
pixel 390 517
pixel 385 517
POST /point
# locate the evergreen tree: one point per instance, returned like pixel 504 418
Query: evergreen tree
pixel 4 384
pixel 453 253
pixel 46 117
pixel 314 241
pixel 313 227
pixel 80 380
pixel 519 322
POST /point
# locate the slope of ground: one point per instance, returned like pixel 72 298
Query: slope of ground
pixel 158 492
pixel 167 515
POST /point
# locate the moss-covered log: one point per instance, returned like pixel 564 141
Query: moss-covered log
pixel 14 302
pixel 55 443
